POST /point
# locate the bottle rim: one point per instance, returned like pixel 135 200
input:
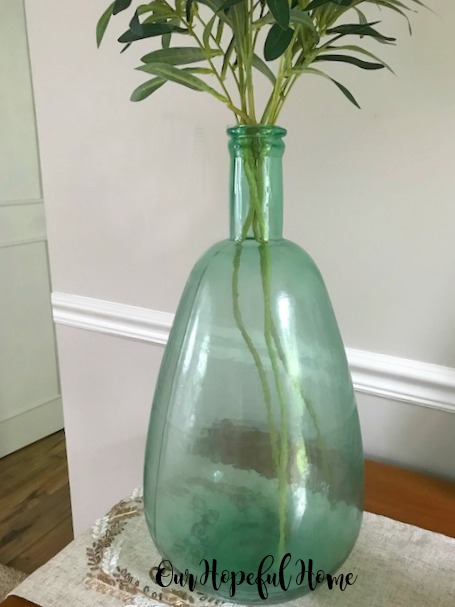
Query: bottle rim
pixel 244 131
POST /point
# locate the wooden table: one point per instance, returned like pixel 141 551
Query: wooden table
pixel 411 497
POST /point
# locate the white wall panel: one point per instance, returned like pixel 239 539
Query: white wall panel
pixel 22 223
pixel 19 163
pixel 30 404
pixel 28 371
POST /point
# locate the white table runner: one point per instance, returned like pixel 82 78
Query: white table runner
pixel 396 565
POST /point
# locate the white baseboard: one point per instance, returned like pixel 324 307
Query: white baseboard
pixel 32 425
pixel 394 378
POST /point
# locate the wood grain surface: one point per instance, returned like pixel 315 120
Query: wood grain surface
pixel 35 510
pixel 411 497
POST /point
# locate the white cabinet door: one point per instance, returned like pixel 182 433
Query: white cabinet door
pixel 30 403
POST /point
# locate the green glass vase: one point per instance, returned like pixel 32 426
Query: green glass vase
pixel 254 447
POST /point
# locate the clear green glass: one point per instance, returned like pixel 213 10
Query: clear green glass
pixel 254 444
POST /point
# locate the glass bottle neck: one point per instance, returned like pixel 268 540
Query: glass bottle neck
pixel 256 204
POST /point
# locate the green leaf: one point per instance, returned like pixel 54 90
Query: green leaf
pixel 296 16
pixel 166 40
pixel 277 42
pixel 146 89
pixel 424 6
pixel 136 26
pixel 262 67
pixel 362 51
pixel 149 30
pixel 227 57
pixel 346 92
pixel 359 29
pixel 365 65
pixel 162 17
pixel 166 16
pixel 208 31
pixel 159 9
pixel 228 4
pixel 302 18
pixel 189 14
pixel 120 5
pixel 362 19
pixel 199 70
pixel 317 3
pixel 154 6
pixel 394 6
pixel 169 72
pixel 219 31
pixel 214 6
pixel 179 55
pixel 280 10
pixel 103 23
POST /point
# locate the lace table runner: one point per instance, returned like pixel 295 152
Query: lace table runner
pixel 114 565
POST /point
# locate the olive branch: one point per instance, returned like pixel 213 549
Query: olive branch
pixel 225 38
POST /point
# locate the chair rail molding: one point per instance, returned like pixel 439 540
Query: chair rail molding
pixel 391 377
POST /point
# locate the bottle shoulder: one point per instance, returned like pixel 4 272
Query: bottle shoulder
pixel 282 252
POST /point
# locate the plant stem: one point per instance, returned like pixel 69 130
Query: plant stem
pixel 254 353
pixel 284 96
pixel 307 405
pixel 253 166
pixel 256 33
pixel 237 111
pixel 220 48
pixel 250 53
pixel 264 253
pixel 270 107
pixel 238 37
